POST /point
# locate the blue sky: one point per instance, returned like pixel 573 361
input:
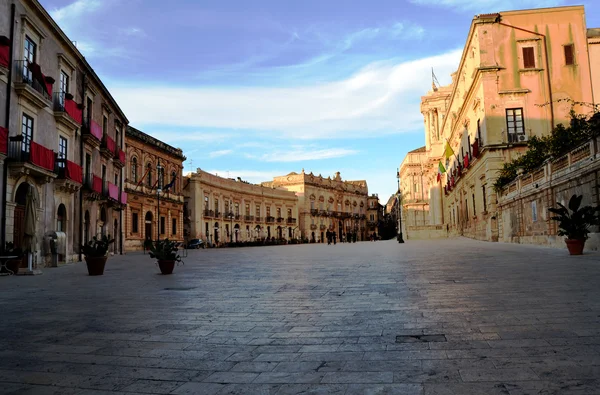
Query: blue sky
pixel 261 88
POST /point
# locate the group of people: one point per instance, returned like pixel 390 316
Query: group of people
pixel 349 237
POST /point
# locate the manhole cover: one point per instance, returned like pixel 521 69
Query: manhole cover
pixel 420 338
pixel 179 288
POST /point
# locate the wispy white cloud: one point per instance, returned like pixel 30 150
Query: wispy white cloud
pixel 132 31
pixel 488 5
pixel 377 100
pixel 75 11
pixel 216 154
pixel 305 154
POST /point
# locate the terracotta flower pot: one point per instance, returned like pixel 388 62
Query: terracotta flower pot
pixel 166 267
pixel 575 247
pixel 95 265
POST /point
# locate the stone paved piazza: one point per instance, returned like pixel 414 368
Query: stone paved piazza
pixel 311 319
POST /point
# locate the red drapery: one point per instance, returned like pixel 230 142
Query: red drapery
pixel 96 130
pixel 113 191
pixel 42 156
pixel 97 184
pixel 475 148
pixel 3 140
pixel 466 160
pixel 48 85
pixel 110 144
pixel 121 156
pixel 73 110
pixel 74 172
pixel 4 54
pixel 124 197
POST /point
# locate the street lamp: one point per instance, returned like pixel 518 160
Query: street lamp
pixel 158 191
pixel 399 201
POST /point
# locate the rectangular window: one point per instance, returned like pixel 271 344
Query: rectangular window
pixel 257 213
pixel 205 202
pixel 89 106
pixel 484 198
pixel 216 206
pixel 474 209
pixel 88 167
pixel 372 217
pixel 64 86
pixel 247 209
pixel 174 226
pixel 237 209
pixel 117 138
pixel 62 151
pixel 134 222
pixel 103 174
pixel 116 178
pixel 162 225
pixel 227 207
pixel 528 58
pixel 104 125
pixel 29 54
pixel 514 123
pixel 268 211
pixel 467 209
pixel 289 213
pixel 569 55
pixel 27 133
pixel 279 212
pixel 534 216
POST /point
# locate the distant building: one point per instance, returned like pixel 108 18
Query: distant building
pixel 220 210
pixel 327 204
pixel 154 173
pixel 374 215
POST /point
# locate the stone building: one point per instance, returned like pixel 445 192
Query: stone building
pixel 327 203
pixel 219 210
pixel 154 176
pixel 518 75
pixel 374 214
pixel 62 138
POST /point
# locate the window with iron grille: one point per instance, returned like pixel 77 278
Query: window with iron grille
pixel 62 150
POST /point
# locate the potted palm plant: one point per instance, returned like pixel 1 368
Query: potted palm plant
pixel 96 254
pixel 166 253
pixel 574 222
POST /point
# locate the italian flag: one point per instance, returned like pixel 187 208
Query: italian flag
pixel 441 170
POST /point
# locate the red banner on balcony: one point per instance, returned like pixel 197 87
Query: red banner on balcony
pixel 97 184
pixel 4 54
pixel 74 172
pixel 73 110
pixel 124 197
pixel 466 160
pixel 42 156
pixel 113 191
pixel 96 130
pixel 121 156
pixel 3 140
pixel 110 143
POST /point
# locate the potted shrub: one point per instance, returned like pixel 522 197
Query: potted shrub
pixel 574 223
pixel 96 254
pixel 166 253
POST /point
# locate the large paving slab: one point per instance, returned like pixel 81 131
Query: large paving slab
pixel 311 319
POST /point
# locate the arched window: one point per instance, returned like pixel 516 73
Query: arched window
pixel 61 219
pixel 134 175
pixel 149 176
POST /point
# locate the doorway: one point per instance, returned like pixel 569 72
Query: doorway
pixel 148 226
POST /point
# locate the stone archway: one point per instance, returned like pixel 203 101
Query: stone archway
pixel 19 214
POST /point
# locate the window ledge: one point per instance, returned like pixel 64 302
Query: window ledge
pixel 535 70
pixel 514 91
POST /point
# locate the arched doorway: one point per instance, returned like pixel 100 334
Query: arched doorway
pixel 103 220
pixel 86 227
pixel 61 219
pixel 116 236
pixel 312 237
pixel 236 229
pixel 268 232
pixel 19 217
pixel 279 232
pixel 148 226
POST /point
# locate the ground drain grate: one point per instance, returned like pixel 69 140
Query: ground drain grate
pixel 420 338
pixel 179 288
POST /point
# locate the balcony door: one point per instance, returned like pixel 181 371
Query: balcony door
pixel 19 217
pixel 27 133
pixel 29 52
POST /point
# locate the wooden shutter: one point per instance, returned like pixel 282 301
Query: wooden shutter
pixel 528 58
pixel 569 55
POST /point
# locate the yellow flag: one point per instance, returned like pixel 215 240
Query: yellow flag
pixel 448 152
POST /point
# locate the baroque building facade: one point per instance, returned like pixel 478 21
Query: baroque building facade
pixel 154 184
pixel 519 74
pixel 61 138
pixel 327 204
pixel 220 210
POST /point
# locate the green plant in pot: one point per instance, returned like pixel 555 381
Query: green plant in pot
pixel 574 222
pixel 166 253
pixel 96 254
